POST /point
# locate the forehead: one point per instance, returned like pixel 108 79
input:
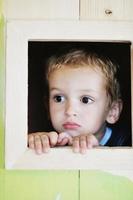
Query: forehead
pixel 77 77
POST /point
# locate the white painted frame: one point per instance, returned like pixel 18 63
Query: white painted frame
pixel 17 155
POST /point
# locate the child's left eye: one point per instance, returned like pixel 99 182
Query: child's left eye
pixel 86 100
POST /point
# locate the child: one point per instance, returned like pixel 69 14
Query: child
pixel 84 96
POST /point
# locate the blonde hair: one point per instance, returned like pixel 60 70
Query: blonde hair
pixel 81 58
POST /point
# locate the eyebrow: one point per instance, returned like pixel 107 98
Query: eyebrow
pixel 87 90
pixel 52 89
pixel 82 90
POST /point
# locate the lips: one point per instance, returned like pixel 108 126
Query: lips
pixel 71 125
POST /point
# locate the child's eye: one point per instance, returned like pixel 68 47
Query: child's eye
pixel 86 100
pixel 59 98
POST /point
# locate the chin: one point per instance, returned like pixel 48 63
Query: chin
pixel 72 133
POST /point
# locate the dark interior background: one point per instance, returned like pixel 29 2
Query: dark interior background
pixel 39 52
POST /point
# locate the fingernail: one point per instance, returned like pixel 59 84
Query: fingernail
pixel 89 146
pixel 46 150
pixel 83 151
pixel 76 150
pixel 39 151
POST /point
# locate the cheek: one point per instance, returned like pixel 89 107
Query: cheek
pixel 52 109
pixel 93 125
pixel 56 117
pixel 93 118
pixel 55 111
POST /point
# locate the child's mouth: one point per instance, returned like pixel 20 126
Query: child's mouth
pixel 71 126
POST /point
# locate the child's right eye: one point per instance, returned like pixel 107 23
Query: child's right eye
pixel 59 98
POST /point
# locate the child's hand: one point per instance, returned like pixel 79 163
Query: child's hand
pixel 83 142
pixel 79 143
pixel 42 141
pixel 63 139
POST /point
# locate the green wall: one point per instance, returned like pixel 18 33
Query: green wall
pixel 53 185
pixel 2 86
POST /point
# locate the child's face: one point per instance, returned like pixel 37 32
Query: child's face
pixel 78 101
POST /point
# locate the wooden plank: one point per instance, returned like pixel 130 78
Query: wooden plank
pixel 48 9
pixel 106 10
pixel 107 159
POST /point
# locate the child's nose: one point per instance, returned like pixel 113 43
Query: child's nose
pixel 71 109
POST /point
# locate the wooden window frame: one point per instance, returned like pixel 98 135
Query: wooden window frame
pixel 17 155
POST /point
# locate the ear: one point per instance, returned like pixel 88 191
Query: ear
pixel 114 111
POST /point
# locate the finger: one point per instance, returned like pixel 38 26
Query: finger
pixel 61 139
pixel 63 142
pixel 53 138
pixel 83 144
pixel 91 141
pixel 75 144
pixel 38 144
pixel 31 141
pixel 61 136
pixel 45 143
pixel 70 140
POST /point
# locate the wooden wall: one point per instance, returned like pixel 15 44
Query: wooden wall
pixel 65 184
